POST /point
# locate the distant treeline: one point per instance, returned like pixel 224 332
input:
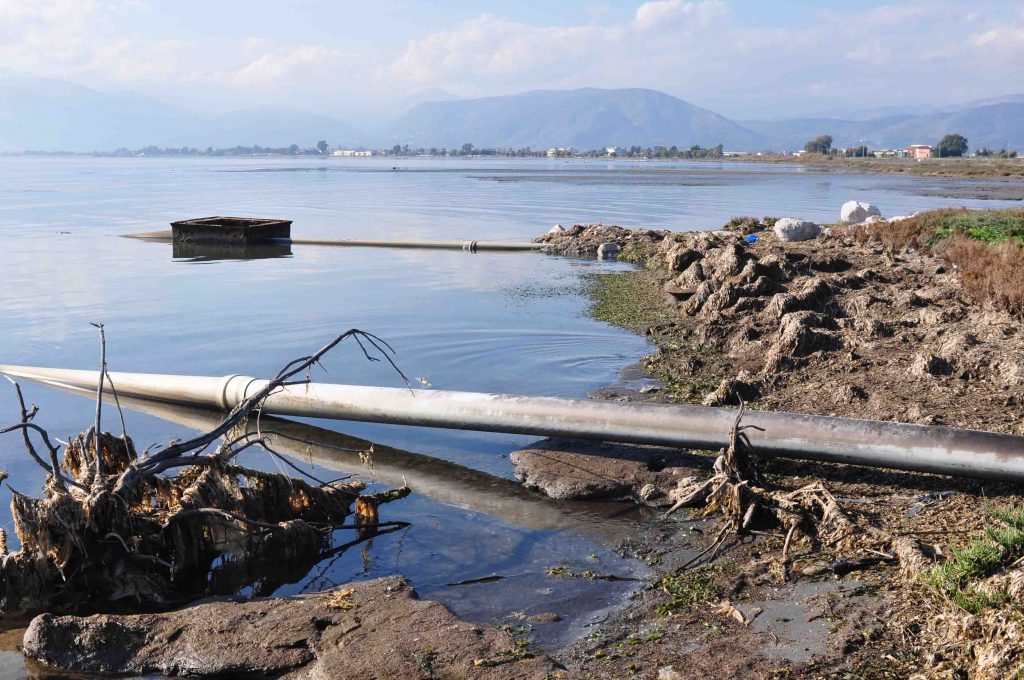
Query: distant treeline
pixel 322 149
pixel 467 149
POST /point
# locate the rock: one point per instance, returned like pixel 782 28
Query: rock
pixel 556 230
pixel 792 229
pixel 606 251
pixel 899 218
pixel 572 469
pixel 873 219
pixel 731 390
pixel 855 212
pixel 544 617
pixel 377 629
pixel 668 673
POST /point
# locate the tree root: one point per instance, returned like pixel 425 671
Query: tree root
pixel 156 529
pixel 737 493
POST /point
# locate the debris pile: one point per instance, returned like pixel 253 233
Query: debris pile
pixel 584 240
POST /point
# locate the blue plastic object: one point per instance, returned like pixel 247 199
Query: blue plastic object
pixel 751 239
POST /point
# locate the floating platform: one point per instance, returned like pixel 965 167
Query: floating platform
pixel 231 231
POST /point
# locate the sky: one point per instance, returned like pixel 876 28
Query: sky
pixel 747 59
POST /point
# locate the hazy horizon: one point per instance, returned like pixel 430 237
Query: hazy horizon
pixel 739 58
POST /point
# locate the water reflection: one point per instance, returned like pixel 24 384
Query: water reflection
pixel 211 252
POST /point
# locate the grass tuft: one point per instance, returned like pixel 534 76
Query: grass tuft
pixel 958 577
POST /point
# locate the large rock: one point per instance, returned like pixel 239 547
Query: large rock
pixel 372 629
pixel 792 229
pixel 569 469
pixel 607 251
pixel 855 212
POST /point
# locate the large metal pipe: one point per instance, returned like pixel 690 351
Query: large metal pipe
pixel 922 448
pixel 470 246
pixel 438 479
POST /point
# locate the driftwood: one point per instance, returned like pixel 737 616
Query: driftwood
pixel 158 528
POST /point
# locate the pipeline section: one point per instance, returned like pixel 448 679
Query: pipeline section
pixel 469 246
pixel 921 448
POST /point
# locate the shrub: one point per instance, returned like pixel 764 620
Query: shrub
pixel 986 246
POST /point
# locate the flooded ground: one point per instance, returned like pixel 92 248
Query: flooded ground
pixel 488 322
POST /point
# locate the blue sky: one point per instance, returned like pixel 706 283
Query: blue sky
pixel 743 58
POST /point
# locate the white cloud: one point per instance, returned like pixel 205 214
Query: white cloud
pixel 473 54
pixel 667 13
pixel 706 51
pixel 273 67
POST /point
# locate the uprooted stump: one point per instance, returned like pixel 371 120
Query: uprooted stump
pixel 153 530
pixel 738 492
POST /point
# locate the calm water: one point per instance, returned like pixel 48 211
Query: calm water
pixel 488 322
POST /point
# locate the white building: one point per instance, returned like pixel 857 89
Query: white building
pixel 352 152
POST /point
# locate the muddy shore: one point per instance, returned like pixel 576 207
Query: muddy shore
pixel 930 167
pixel 837 325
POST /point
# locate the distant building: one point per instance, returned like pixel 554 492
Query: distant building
pixel 919 151
pixel 352 152
pixel 612 150
pixel 799 153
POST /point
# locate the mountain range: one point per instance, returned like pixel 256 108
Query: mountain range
pixel 49 115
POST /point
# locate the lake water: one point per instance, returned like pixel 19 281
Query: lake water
pixel 511 323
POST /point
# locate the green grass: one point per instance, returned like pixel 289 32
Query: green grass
pixel 957 577
pixel 990 226
pixel 689 588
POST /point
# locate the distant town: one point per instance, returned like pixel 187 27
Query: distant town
pixel 953 145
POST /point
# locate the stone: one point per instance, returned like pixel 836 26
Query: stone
pixel 899 218
pixel 855 212
pixel 556 230
pixel 607 251
pixel 369 629
pixel 568 469
pixel 792 229
pixel 873 219
pixel 544 617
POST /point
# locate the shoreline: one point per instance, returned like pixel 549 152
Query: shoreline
pixel 879 615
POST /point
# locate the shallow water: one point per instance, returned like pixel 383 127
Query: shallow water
pixel 512 322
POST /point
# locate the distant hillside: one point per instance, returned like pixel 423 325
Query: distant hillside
pixel 52 115
pixel 995 123
pixel 584 119
pixel 43 114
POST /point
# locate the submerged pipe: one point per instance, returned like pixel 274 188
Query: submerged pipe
pixel 470 246
pixel 921 448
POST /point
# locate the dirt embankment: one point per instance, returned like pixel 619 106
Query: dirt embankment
pixel 840 326
pixel 830 326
